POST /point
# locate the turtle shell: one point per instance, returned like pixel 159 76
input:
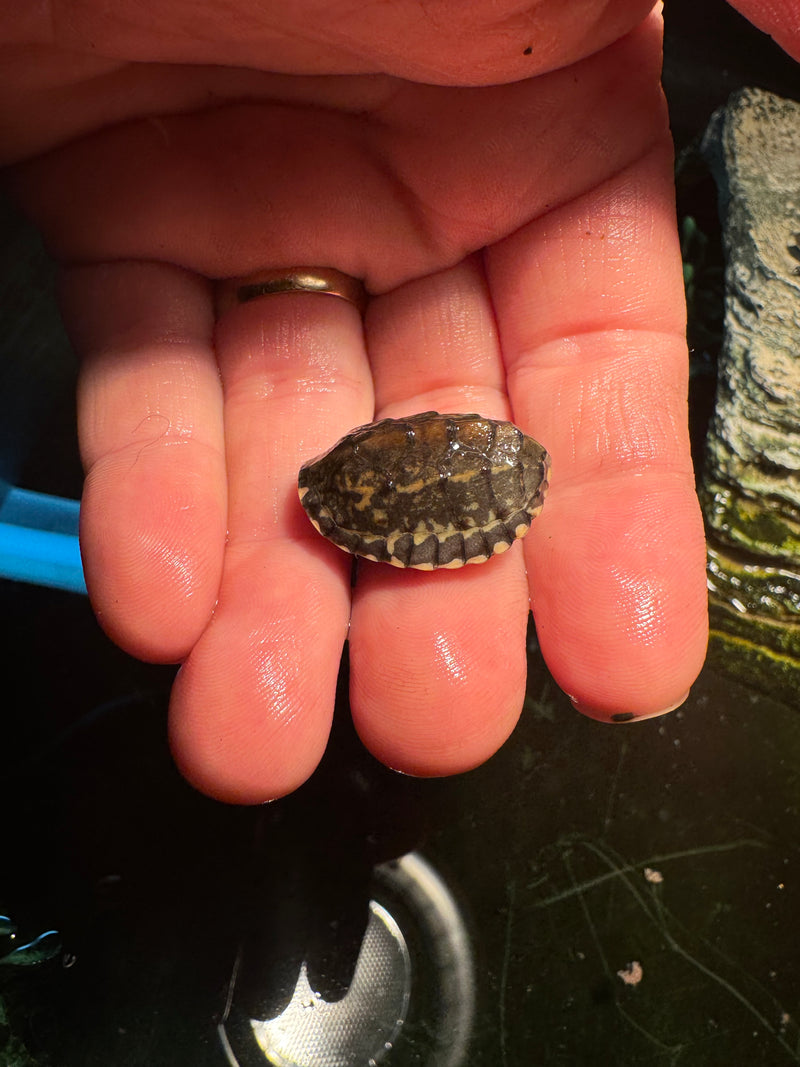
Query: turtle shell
pixel 427 491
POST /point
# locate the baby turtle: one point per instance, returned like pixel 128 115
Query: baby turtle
pixel 427 491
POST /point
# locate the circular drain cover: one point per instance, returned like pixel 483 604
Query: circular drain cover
pixel 358 1029
pixel 373 1023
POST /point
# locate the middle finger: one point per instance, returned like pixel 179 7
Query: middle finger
pixel 438 659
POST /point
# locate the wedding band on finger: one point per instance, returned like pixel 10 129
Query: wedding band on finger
pixel 327 280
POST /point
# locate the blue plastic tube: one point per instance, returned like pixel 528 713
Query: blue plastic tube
pixel 39 539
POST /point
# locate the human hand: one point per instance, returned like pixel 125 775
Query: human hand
pixel 520 247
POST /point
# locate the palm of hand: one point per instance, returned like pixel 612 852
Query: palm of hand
pixel 518 242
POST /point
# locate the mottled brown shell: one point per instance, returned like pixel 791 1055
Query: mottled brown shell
pixel 427 491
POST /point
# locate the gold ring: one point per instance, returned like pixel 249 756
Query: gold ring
pixel 233 291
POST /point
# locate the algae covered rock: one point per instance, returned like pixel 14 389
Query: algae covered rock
pixel 751 485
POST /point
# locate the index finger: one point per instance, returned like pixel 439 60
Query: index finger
pixel 591 316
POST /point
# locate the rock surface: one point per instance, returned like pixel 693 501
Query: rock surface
pixel 751 490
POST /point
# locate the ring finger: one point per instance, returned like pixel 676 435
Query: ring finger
pixel 252 705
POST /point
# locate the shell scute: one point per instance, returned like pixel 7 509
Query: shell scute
pixel 427 491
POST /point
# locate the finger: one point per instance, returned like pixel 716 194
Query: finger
pixel 251 707
pixel 438 659
pixel 590 306
pixel 150 423
pixel 778 18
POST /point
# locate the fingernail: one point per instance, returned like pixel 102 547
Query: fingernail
pixel 625 716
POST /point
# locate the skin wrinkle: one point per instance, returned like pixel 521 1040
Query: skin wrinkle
pixel 127 342
pixel 446 320
pixel 438 221
pixel 630 445
pixel 620 437
pixel 448 401
pixel 275 358
pixel 275 493
pixel 250 397
pixel 405 195
pixel 605 484
pixel 579 342
pixel 181 387
pixel 579 336
pixel 460 331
